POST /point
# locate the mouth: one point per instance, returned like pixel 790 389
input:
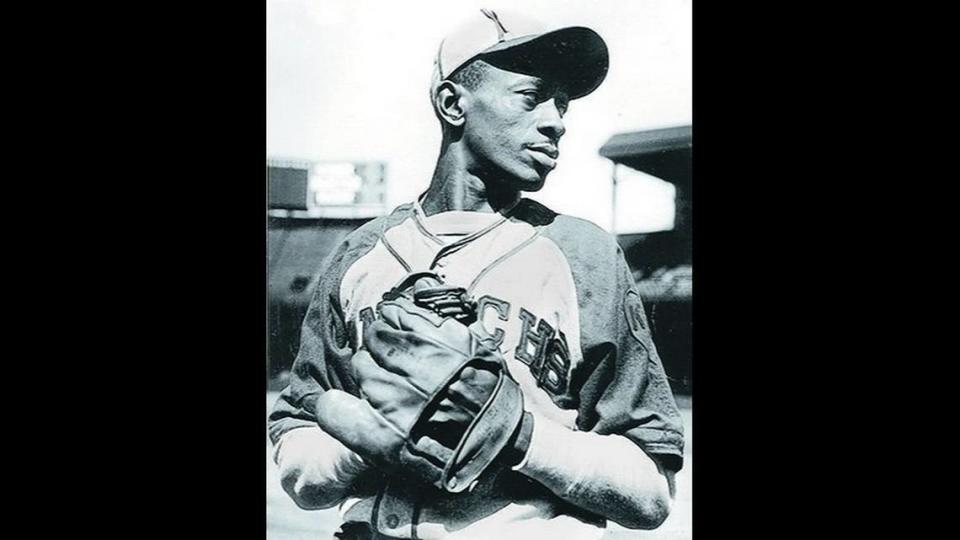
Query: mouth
pixel 547 149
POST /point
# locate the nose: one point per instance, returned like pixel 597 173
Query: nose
pixel 551 120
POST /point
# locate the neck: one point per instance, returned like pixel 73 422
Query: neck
pixel 455 187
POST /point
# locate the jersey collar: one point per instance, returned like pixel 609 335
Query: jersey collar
pixel 459 225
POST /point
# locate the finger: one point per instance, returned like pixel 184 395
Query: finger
pixel 423 362
pixel 404 314
pixel 473 388
pixel 450 310
pixel 466 397
pixel 431 447
pixel 388 344
pixel 352 364
pixel 361 366
pixel 449 411
pixel 388 393
pixel 426 283
pixel 426 460
pixel 478 378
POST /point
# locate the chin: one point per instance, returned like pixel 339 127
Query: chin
pixel 528 182
pixel 522 178
pixel 536 185
pixel 531 178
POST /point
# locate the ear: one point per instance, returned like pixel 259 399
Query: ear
pixel 448 102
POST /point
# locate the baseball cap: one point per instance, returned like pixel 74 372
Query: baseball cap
pixel 575 55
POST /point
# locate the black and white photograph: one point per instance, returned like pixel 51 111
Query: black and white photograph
pixel 479 270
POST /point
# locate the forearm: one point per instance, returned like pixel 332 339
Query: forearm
pixel 608 475
pixel 316 470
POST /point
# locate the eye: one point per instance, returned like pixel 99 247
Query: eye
pixel 530 97
pixel 533 97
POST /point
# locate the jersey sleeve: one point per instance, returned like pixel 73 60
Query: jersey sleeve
pixel 621 386
pixel 322 361
pixel 628 392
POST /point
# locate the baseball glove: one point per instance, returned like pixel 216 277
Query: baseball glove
pixel 437 401
pixel 428 291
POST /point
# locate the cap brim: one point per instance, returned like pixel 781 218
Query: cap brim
pixel 575 56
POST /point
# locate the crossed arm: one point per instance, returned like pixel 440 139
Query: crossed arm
pixel 605 474
pixel 608 475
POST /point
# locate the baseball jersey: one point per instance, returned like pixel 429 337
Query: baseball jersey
pixel 557 295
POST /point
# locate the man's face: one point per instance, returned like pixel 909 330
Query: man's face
pixel 513 127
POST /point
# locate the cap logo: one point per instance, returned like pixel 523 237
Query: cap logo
pixel 493 17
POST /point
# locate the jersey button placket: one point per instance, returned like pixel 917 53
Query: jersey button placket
pixel 394 508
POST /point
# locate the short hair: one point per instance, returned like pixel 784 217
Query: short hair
pixel 472 75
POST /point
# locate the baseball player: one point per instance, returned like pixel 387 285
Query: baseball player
pixel 475 365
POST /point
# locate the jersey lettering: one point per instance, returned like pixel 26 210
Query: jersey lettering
pixel 502 307
pixel 542 348
pixel 553 376
pixel 548 357
pixel 366 317
pixel 526 350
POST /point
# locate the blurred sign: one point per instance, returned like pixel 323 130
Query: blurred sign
pixel 327 189
pixel 287 184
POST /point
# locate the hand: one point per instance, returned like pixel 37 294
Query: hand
pixel 421 373
pixel 316 470
pixel 378 426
